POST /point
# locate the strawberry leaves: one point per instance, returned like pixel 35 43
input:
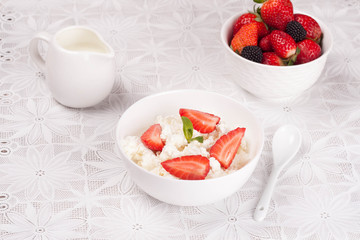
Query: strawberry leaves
pixel 188 130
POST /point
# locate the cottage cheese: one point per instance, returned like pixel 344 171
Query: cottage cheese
pixel 177 146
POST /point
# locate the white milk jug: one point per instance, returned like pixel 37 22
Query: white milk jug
pixel 79 65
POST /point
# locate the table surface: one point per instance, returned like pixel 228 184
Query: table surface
pixel 60 174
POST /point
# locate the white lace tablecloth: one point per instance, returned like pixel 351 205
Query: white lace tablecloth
pixel 60 177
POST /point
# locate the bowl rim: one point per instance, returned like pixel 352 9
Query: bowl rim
pixel 204 181
pixel 232 18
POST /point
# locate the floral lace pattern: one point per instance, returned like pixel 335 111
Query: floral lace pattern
pixel 60 174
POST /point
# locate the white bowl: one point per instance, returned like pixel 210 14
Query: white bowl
pixel 274 82
pixel 142 114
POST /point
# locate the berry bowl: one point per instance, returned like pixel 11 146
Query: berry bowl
pixel 138 117
pixel 274 82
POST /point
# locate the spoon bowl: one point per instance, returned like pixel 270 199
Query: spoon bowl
pixel 286 143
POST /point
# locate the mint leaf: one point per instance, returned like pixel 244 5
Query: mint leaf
pixel 187 128
pixel 200 139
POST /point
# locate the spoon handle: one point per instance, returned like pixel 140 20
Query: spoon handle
pixel 264 202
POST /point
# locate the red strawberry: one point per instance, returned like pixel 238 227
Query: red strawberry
pixel 283 44
pixel 193 167
pixel 313 30
pixel 263 30
pixel 265 44
pixel 226 147
pixel 242 20
pixel 202 122
pixel 270 58
pixel 246 36
pixel 309 50
pixel 276 13
pixel 151 138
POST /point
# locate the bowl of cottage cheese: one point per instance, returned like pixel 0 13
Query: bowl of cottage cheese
pixel 203 177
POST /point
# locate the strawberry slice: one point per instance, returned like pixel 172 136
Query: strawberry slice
pixel 202 122
pixel 151 138
pixel 225 148
pixel 192 167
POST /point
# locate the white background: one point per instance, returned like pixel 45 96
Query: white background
pixel 60 177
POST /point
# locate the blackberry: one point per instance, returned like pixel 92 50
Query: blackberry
pixel 252 53
pixel 296 31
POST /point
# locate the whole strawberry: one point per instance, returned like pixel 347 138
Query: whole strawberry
pixel 265 44
pixel 313 30
pixel 242 20
pixel 276 13
pixel 270 58
pixel 248 36
pixel 263 30
pixel 309 50
pixel 283 44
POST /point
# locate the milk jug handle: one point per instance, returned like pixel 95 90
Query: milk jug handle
pixel 34 49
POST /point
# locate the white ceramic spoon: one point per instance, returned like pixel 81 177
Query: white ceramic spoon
pixel 286 143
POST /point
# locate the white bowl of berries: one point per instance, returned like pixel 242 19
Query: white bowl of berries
pixel 276 52
pixel 189 147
